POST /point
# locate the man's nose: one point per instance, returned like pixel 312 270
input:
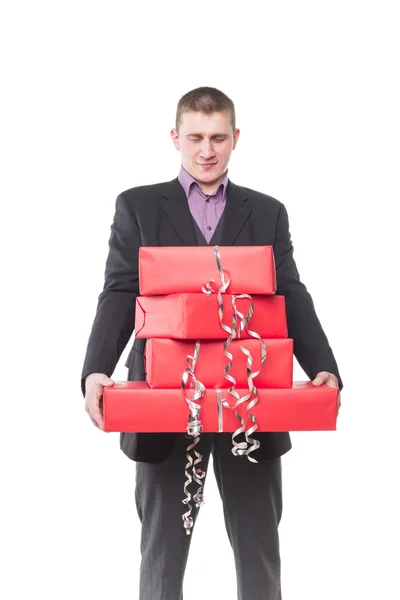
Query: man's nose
pixel 207 150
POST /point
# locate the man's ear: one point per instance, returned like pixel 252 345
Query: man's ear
pixel 236 134
pixel 175 138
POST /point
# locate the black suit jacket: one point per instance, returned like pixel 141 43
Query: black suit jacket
pixel 159 215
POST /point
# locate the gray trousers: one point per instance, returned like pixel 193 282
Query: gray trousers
pixel 252 502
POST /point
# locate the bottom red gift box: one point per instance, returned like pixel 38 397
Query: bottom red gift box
pixel 132 406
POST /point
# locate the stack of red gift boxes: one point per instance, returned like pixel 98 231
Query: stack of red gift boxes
pixel 179 306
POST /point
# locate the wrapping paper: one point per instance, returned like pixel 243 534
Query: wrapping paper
pixel 175 269
pixel 134 406
pixel 166 361
pixel 195 316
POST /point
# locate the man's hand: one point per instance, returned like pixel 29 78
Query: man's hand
pixel 95 383
pixel 330 379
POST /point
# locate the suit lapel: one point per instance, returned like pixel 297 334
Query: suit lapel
pixel 175 206
pixel 236 213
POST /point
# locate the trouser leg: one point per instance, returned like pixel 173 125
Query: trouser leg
pixel 252 501
pixel 164 542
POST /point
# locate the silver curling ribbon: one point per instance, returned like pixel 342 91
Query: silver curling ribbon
pixel 220 413
pixel 239 448
pixel 193 471
pixel 221 402
pixel 244 323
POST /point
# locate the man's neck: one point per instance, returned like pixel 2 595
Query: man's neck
pixel 186 179
pixel 210 188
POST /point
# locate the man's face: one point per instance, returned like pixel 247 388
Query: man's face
pixel 205 143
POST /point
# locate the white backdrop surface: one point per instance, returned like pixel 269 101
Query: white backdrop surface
pixel 89 92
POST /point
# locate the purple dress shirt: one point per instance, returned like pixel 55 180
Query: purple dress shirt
pixel 206 209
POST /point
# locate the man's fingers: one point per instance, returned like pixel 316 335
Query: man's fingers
pixel 93 408
pixel 339 404
pixel 93 421
pixel 96 417
pixel 95 380
pixel 106 381
pixel 95 384
pixel 89 412
pixel 328 378
pixel 331 382
pixel 321 378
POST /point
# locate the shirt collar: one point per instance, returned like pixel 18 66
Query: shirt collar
pixel 187 180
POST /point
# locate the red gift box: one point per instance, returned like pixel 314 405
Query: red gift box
pixel 195 316
pixel 175 269
pixel 166 362
pixel 134 406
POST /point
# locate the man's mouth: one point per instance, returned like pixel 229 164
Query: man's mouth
pixel 207 165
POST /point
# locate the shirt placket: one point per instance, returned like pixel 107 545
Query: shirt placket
pixel 208 209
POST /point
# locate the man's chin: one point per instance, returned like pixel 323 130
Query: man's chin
pixel 208 177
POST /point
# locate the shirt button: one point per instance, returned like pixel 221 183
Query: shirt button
pixel 207 199
pixel 209 228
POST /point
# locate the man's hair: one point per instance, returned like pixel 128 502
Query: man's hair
pixel 206 100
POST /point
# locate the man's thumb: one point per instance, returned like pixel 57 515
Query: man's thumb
pixel 106 381
pixel 319 380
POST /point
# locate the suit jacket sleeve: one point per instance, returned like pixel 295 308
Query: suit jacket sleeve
pixel 114 321
pixel 311 346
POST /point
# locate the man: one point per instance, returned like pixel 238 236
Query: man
pixel 202 206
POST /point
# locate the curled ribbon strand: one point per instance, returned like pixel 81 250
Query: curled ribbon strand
pixel 250 445
pixel 239 448
pixel 194 429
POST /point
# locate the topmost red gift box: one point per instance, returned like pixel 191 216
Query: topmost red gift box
pixel 185 269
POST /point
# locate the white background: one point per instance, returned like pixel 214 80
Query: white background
pixel 89 91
